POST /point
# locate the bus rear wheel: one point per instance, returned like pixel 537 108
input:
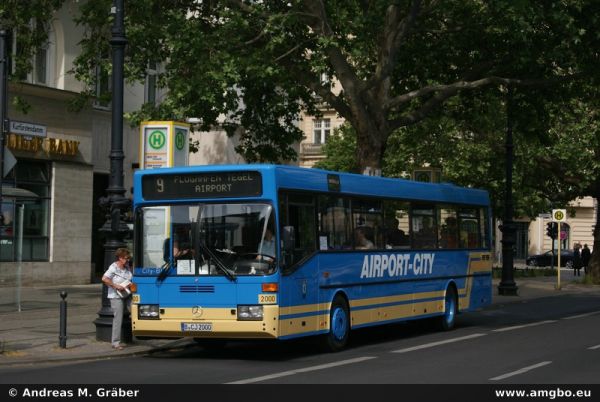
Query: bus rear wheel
pixel 339 325
pixel 447 321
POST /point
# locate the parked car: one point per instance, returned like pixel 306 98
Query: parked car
pixel 545 259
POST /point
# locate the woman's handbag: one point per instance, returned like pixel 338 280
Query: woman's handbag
pixel 129 287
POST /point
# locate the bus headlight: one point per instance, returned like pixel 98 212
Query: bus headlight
pixel 250 313
pixel 148 312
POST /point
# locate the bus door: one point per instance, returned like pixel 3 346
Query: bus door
pixel 299 268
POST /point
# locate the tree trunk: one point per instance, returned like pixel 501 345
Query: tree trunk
pixel 370 147
pixel 594 264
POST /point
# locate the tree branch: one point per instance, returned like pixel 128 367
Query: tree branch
pixel 240 5
pixel 344 71
pixel 335 101
pixel 462 85
pixel 292 50
pixel 394 32
pixel 557 169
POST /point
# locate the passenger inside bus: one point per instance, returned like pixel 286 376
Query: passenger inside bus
pixel 362 235
pixel 394 236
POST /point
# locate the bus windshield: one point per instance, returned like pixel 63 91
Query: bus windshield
pixel 209 239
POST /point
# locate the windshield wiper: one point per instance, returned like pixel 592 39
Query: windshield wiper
pixel 165 271
pixel 218 262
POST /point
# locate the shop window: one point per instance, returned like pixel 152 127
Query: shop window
pixel 35 178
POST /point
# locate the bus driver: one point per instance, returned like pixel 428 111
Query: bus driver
pixel 267 246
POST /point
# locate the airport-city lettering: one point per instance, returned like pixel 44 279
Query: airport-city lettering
pixel 395 265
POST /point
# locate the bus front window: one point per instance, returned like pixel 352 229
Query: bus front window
pixel 209 239
pixel 241 235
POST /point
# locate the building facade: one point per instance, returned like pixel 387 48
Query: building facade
pixel 62 168
pixel 317 130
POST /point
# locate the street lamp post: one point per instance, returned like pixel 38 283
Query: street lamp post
pixel 114 227
pixel 3 101
pixel 507 285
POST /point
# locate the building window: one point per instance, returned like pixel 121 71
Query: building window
pixel 41 71
pixel 150 87
pixel 321 130
pixel 103 81
pixel 34 178
pixel 40 67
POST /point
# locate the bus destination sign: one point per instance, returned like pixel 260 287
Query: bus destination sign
pixel 201 185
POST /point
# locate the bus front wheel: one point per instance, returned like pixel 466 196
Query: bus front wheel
pixel 339 325
pixel 447 321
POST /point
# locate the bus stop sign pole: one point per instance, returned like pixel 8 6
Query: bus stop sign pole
pixel 558 268
pixel 558 216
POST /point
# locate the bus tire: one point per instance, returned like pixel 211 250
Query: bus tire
pixel 339 325
pixel 447 321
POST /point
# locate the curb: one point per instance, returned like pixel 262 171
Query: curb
pixel 92 356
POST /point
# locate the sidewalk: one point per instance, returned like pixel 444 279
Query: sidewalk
pixel 31 336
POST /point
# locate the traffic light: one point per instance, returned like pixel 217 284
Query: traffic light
pixel 552 230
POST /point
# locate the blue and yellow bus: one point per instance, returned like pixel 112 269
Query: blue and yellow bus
pixel 280 252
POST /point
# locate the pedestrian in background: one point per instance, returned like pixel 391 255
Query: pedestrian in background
pixel 585 257
pixel 576 260
pixel 118 279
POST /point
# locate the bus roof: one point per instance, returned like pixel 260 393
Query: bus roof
pixel 310 179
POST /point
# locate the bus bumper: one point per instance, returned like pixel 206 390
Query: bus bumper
pixel 209 323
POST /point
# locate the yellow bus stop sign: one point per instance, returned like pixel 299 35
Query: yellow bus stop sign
pixel 559 215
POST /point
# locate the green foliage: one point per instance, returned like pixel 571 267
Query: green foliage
pixel 28 24
pixel 340 151
pixel 215 62
pixel 554 162
pixel 259 64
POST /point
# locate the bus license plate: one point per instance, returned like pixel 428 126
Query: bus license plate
pixel 196 326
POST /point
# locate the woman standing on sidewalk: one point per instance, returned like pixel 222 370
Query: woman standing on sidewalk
pixel 118 279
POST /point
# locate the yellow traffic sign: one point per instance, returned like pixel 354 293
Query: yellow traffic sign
pixel 559 215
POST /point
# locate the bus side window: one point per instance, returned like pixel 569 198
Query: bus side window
pixel 298 212
pixel 448 228
pixel 396 224
pixel 367 217
pixel 335 222
pixel 469 228
pixel 423 226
